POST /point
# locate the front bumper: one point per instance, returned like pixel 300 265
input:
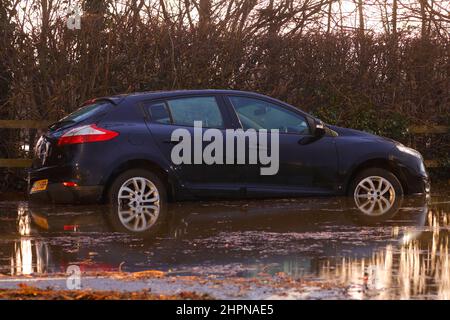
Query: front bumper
pixel 417 184
pixel 412 172
pixel 422 186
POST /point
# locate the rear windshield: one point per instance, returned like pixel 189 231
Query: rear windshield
pixel 81 114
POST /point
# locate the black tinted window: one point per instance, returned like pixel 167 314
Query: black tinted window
pixel 159 113
pixel 82 114
pixel 258 114
pixel 185 111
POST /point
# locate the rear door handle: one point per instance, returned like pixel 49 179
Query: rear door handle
pixel 171 141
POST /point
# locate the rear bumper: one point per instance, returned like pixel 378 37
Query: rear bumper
pixel 58 193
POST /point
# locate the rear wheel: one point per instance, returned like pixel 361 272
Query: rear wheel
pixel 376 191
pixel 138 202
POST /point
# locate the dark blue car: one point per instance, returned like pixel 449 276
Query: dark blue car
pixel 119 149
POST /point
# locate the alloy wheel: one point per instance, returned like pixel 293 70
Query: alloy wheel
pixel 374 195
pixel 138 204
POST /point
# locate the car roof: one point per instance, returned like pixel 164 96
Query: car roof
pixel 139 96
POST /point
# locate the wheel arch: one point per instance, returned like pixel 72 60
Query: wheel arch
pixel 139 163
pixel 381 163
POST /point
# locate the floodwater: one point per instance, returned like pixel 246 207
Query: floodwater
pixel 400 254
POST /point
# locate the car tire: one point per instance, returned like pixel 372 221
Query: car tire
pixel 138 212
pixel 376 192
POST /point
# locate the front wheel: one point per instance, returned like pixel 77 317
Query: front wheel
pixel 138 202
pixel 376 191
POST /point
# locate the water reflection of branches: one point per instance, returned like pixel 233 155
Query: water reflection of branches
pixel 418 267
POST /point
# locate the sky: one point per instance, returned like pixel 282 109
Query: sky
pixel 373 11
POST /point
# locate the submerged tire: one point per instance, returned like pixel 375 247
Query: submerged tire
pixel 376 192
pixel 138 202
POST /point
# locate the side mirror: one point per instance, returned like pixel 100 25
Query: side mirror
pixel 319 129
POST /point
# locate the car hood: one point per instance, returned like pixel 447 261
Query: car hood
pixel 346 132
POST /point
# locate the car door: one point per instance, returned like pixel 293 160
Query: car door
pixel 309 168
pixel 168 115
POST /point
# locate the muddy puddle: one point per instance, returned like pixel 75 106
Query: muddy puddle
pixel 402 253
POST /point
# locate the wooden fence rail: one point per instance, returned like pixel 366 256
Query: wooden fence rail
pixel 36 124
pixel 423 129
pixel 429 129
pixel 24 124
pixel 15 163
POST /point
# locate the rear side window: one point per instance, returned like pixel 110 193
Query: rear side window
pixel 82 114
pixel 160 113
pixel 184 111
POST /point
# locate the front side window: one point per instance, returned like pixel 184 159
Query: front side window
pixel 184 111
pixel 258 114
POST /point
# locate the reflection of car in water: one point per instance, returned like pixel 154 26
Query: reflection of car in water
pixel 217 233
pixel 118 149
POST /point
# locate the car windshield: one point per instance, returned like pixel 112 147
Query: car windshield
pixel 81 114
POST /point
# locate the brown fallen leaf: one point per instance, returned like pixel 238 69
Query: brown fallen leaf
pixel 26 292
pixel 148 274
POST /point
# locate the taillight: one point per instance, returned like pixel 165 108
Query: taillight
pixel 70 227
pixel 85 134
pixel 70 184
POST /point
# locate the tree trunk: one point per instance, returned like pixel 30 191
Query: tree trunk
pixel 394 17
pixel 361 17
pixel 330 6
pixel 423 17
pixel 204 16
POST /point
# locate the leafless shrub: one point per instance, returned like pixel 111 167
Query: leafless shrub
pixel 301 51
